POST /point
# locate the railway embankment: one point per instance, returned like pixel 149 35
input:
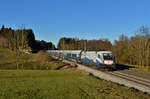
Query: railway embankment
pixel 114 77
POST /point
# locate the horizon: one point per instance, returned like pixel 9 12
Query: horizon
pixel 51 20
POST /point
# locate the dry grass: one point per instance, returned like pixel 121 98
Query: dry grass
pixel 41 60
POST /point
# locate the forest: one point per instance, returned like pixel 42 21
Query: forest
pixel 133 50
pixel 22 40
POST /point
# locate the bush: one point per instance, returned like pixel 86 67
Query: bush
pixel 42 60
pixel 43 57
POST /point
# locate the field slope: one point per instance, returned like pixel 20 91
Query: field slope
pixel 60 84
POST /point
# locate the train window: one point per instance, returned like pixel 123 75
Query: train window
pixel 99 56
pixel 74 55
pixel 108 56
pixel 68 54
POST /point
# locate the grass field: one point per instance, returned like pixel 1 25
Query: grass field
pixel 9 60
pixel 26 83
pixel 60 84
pixel 145 69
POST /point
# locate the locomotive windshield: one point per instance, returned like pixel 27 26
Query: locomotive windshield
pixel 108 56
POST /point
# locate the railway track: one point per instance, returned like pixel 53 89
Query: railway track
pixel 125 78
pixel 133 78
pixel 118 77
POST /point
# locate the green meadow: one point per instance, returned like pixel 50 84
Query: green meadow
pixel 45 82
pixel 60 84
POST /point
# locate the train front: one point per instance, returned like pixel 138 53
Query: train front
pixel 108 58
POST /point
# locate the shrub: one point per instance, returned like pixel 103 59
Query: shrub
pixel 43 57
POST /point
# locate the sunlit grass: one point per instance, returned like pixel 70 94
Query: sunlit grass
pixel 59 84
pixel 145 69
pixel 53 84
pixel 9 60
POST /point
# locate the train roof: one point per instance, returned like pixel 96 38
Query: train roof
pixel 104 52
pixel 78 51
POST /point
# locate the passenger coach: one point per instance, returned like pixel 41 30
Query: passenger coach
pixel 98 58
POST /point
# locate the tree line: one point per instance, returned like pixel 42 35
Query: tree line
pixel 89 45
pixel 22 39
pixel 133 50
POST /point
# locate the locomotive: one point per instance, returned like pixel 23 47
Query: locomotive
pixel 97 58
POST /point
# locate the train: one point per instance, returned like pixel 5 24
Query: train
pixel 97 58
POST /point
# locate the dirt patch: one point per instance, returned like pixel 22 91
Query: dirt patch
pixel 70 67
pixel 65 67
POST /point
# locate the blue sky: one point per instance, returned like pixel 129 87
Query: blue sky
pixel 84 19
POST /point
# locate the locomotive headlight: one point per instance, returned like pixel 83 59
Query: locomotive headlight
pixel 108 62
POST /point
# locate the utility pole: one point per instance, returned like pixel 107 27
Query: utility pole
pixel 85 45
pixel 63 49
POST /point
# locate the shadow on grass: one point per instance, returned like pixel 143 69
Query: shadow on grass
pixel 122 67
